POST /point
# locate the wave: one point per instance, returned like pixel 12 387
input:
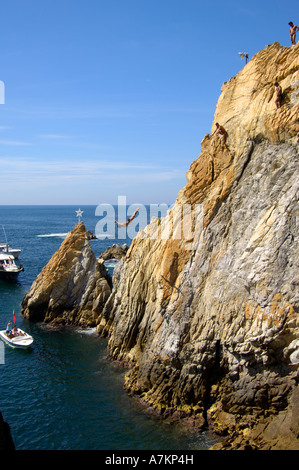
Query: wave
pixel 87 331
pixel 110 236
pixel 59 235
pixel 49 235
pixel 111 263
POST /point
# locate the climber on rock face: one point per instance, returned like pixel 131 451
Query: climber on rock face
pixel 278 98
pixel 220 131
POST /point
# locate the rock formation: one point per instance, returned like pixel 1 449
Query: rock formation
pixel 72 288
pixel 90 235
pixel 206 312
pixel 115 251
pixel 6 441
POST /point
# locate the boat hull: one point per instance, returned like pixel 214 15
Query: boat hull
pixel 15 252
pixel 10 275
pixel 21 342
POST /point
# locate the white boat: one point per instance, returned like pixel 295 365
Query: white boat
pixel 8 267
pixel 21 340
pixel 5 248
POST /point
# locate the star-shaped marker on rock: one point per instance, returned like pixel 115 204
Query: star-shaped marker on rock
pixel 79 214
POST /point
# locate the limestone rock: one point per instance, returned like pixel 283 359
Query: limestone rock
pixel 90 235
pixel 207 314
pixel 115 251
pixel 72 288
pixel 249 98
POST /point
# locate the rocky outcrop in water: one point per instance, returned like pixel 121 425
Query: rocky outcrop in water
pixel 90 235
pixel 115 251
pixel 72 288
pixel 206 316
pixel 6 441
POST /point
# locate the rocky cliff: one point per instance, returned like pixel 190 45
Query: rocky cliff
pixel 6 441
pixel 72 288
pixel 114 252
pixel 206 312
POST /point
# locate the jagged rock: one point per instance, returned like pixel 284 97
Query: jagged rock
pixel 72 288
pixel 6 441
pixel 208 318
pixel 114 252
pixel 90 235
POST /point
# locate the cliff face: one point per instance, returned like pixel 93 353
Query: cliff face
pixel 6 441
pixel 207 316
pixel 72 288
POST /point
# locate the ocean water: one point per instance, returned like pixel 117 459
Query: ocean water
pixel 63 393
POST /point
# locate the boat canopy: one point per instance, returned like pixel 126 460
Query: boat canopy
pixel 6 256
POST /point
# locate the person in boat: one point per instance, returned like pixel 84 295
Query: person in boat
pixel 125 224
pixel 15 331
pixel 8 328
pixel 220 131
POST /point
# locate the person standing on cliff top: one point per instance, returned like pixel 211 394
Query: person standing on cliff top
pixel 278 98
pixel 220 131
pixel 293 31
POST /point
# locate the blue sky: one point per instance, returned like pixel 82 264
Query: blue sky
pixel 113 97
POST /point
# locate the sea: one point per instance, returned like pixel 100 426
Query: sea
pixel 63 393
